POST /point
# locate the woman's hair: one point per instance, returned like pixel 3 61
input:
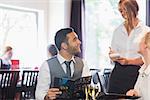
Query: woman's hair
pixel 147 39
pixel 7 48
pixel 132 8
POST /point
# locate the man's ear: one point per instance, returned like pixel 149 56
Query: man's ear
pixel 64 46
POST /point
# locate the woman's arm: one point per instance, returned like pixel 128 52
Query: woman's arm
pixel 135 61
pixel 130 61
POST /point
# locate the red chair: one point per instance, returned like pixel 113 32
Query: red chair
pixel 15 64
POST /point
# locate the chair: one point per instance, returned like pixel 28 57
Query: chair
pixel 8 82
pixel 97 78
pixel 28 84
pixel 101 78
pixel 106 75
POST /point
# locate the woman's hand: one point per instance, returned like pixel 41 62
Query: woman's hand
pixel 122 61
pixel 116 57
pixel 132 92
pixel 113 55
pixel 111 52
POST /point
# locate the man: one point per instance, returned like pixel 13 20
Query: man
pixel 68 44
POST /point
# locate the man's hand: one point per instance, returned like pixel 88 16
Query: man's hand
pixel 52 94
pixel 132 92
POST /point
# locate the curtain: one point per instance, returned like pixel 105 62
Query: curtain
pixel 77 20
pixel 148 12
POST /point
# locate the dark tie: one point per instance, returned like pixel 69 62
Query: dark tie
pixel 68 69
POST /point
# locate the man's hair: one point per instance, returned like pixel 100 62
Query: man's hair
pixel 61 36
pixel 52 49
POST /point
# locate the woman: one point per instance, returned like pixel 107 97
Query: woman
pixel 142 86
pixel 125 72
pixel 5 60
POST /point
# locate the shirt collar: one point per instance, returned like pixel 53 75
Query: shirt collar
pixel 138 25
pixel 62 60
pixel 145 71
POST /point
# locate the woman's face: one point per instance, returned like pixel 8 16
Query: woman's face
pixel 9 54
pixel 123 11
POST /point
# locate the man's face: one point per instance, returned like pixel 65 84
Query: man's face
pixel 73 45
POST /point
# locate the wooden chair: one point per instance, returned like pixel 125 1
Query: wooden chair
pixel 8 81
pixel 28 84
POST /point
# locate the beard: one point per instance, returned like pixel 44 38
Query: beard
pixel 74 50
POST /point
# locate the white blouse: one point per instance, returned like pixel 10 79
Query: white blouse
pixel 143 83
pixel 128 46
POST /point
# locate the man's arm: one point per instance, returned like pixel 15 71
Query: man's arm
pixel 43 92
pixel 43 82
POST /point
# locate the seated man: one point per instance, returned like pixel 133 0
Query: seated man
pixel 68 44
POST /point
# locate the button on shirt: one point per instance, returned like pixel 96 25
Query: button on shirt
pixel 143 83
pixel 44 79
pixel 128 46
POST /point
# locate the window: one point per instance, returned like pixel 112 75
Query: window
pixel 19 29
pixel 102 17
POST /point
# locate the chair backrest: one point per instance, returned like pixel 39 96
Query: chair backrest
pixel 29 78
pixel 28 84
pixel 101 78
pixel 8 82
pixel 106 75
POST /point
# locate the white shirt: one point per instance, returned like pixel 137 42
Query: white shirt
pixel 44 79
pixel 5 60
pixel 128 46
pixel 143 83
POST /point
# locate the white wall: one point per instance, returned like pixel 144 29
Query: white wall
pixel 56 15
pixel 33 4
pixel 42 7
pixel 59 16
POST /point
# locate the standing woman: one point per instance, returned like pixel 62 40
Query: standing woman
pixel 125 72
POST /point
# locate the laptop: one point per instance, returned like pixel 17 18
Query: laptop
pixel 110 96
